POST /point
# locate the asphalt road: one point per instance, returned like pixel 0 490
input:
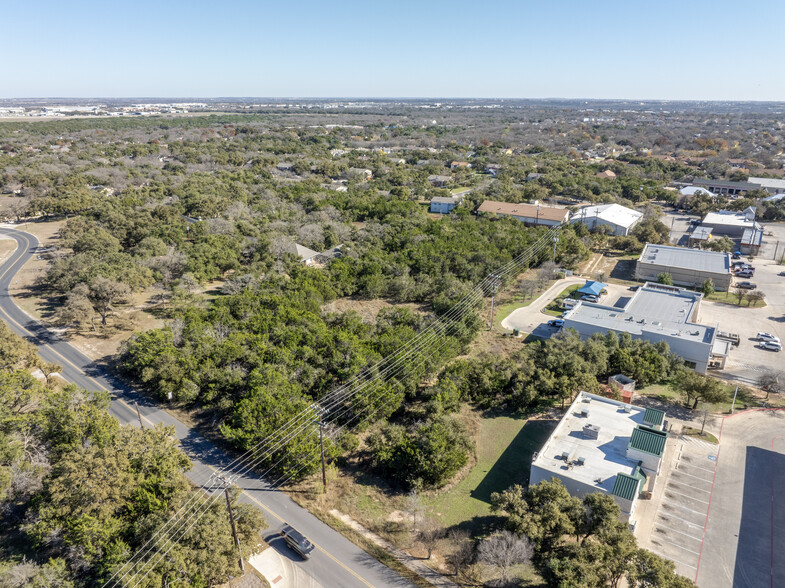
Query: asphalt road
pixel 336 561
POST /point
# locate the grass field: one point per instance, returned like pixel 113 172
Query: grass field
pixel 504 449
pixel 555 308
pixel 731 298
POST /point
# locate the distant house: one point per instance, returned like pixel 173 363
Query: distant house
pixel 439 181
pixel 285 167
pixel 533 176
pixel 444 204
pixel 358 173
pixel 308 256
pixel 606 175
pixel 492 169
pixel 456 164
pixel 619 218
pixel 531 214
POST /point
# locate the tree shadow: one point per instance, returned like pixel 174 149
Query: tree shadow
pixel 624 270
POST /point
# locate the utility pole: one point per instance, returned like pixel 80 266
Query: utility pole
pixel 321 448
pixel 555 241
pixel 734 399
pixel 234 527
pixel 495 283
pixel 139 414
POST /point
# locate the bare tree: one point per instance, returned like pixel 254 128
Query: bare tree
pixel 527 288
pixel 771 381
pixel 430 535
pixel 415 507
pixel 755 297
pixel 462 551
pixel 504 550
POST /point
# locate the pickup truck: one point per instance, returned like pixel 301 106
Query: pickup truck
pixel 746 285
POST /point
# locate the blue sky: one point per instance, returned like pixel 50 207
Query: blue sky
pixel 692 49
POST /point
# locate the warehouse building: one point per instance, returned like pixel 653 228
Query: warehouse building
pixel 603 445
pixel 772 186
pixel 731 223
pixel 619 218
pixel 687 267
pixel 531 214
pixel 725 187
pixel 656 313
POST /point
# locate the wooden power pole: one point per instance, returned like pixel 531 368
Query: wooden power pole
pixel 321 447
pixel 234 528
pixel 139 414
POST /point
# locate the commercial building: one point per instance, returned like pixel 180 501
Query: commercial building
pixel 531 214
pixel 751 241
pixel 603 445
pixel 656 313
pixel 731 223
pixel 771 186
pixel 725 187
pixel 687 267
pixel 619 218
pixel 700 235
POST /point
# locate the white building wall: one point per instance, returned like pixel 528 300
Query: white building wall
pixel 648 272
pixel 649 462
pixel 574 487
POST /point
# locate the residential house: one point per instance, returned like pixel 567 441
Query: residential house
pixel 531 214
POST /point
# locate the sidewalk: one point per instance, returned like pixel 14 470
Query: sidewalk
pixel 416 565
pixel 280 572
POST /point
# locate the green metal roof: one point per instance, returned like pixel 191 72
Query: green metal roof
pixel 626 486
pixel 648 440
pixel 654 416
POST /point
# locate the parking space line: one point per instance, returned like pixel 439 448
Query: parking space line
pixel 680 533
pixel 694 466
pixel 685 495
pixel 686 521
pixel 693 476
pixel 674 559
pixel 702 514
pixel 675 545
pixel 677 484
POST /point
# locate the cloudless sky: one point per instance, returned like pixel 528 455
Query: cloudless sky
pixel 687 49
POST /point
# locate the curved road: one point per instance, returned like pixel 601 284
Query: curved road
pixel 336 562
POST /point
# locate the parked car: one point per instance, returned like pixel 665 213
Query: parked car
pixel 746 285
pixel 767 337
pixel 736 255
pixel 558 323
pixel 771 345
pixel 590 298
pixel 297 541
pixel 781 274
pixel 635 288
pixel 745 273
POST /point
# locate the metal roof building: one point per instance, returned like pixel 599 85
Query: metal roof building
pixel 730 222
pixel 773 186
pixel 687 267
pixel 619 218
pixel 532 214
pixel 654 313
pixel 591 451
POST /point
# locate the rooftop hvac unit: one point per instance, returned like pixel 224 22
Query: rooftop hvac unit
pixel 587 398
pixel 565 455
pixel 584 412
pixel 591 432
pixel 580 461
pixel 627 408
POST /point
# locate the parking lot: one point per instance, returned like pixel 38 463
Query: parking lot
pixel 747 361
pixel 677 530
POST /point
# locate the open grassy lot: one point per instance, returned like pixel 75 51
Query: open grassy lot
pixel 555 308
pixel 731 298
pixel 504 448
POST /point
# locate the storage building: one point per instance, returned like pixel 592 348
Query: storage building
pixel 687 267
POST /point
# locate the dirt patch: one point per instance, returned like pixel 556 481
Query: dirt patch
pixel 368 309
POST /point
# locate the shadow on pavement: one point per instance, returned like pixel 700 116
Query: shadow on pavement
pixel 760 559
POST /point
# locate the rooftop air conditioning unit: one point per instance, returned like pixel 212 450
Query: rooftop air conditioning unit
pixel 585 412
pixel 580 461
pixel 565 455
pixel 627 408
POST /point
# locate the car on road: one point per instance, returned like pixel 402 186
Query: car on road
pixel 767 337
pixel 746 285
pixel 558 323
pixel 771 345
pixel 297 541
pixel 590 298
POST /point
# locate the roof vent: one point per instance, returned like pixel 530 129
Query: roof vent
pixel 587 399
pixel 627 408
pixel 591 432
pixel 584 412
pixel 565 455
pixel 580 461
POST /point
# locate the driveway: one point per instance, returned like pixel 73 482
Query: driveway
pixel 744 541
pixel 531 319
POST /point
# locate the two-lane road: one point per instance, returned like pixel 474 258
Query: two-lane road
pixel 336 562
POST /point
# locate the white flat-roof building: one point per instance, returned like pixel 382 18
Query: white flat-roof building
pixel 730 222
pixel 655 313
pixel 687 267
pixel 619 218
pixel 603 445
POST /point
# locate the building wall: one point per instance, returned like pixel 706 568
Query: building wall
pixel 682 277
pixel 574 487
pixel 728 230
pixel 694 351
pixel 443 207
pixel 650 463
